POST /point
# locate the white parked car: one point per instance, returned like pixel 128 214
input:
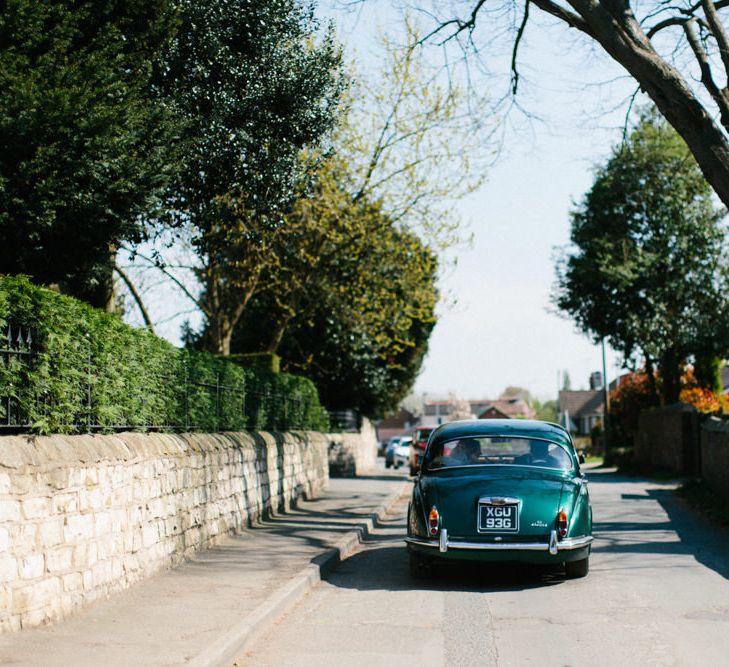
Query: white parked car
pixel 401 455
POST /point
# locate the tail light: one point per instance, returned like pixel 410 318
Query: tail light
pixel 433 520
pixel 562 523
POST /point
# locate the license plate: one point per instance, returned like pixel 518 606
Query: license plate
pixel 498 518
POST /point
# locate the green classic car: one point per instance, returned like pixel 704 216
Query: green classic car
pixel 500 490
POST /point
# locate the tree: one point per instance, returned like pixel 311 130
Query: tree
pixel 351 304
pixel 546 411
pixel 566 382
pixel 255 84
pixel 671 50
pixel 86 147
pixel 413 140
pixel 518 392
pixel 647 268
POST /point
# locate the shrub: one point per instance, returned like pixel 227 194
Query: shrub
pixel 91 371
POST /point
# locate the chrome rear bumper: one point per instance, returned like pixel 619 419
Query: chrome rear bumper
pixel 554 546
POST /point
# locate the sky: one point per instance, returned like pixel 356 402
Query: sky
pixel 502 330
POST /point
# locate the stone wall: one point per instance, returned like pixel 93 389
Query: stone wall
pixel 715 455
pixel 352 453
pixel 668 437
pixel 84 516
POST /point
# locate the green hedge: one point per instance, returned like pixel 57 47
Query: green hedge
pixel 92 371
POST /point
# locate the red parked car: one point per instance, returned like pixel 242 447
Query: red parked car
pixel 417 449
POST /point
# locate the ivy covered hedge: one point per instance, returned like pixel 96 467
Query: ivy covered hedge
pixel 86 370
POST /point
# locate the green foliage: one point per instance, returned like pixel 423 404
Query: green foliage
pixel 135 380
pixel 254 84
pixel 85 146
pixel 264 361
pixel 546 411
pixel 349 302
pixel 647 269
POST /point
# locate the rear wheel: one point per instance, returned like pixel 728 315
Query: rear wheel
pixel 577 568
pixel 420 567
pixel 387 464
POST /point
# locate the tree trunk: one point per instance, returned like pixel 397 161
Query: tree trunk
pixel 651 374
pixel 671 369
pixel 621 36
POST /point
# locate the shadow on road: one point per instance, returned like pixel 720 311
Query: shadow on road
pixel 386 568
pixel 662 524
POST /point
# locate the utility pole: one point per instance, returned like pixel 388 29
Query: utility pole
pixel 605 403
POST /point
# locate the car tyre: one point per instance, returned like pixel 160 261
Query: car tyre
pixel 420 567
pixel 577 569
pixel 387 464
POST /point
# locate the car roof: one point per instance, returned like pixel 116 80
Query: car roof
pixel 526 428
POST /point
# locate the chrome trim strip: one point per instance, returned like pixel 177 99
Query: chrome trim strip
pixel 567 544
pixel 553 548
pixel 443 541
pixel 497 500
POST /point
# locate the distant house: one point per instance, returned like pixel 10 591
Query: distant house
pixel 492 412
pixel 724 380
pixel 399 424
pixel 580 411
pixel 506 407
pixel 514 407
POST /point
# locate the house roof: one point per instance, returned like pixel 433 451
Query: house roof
pixel 513 407
pixel 581 403
pixel 397 421
pixel 493 413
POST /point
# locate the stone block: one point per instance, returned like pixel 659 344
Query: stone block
pixel 64 503
pixel 5 484
pixel 37 595
pixel 4 541
pixel 8 569
pixel 9 510
pixel 78 527
pixel 92 499
pixel 150 536
pixel 72 582
pixel 10 623
pixel 50 533
pixel 32 566
pixel 59 559
pixel 102 524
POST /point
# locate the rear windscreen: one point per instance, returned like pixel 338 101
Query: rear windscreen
pixel 499 450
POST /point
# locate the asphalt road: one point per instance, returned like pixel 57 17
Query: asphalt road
pixel 657 594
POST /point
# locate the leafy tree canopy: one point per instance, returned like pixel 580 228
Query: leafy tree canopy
pixel 647 267
pixel 349 301
pixel 255 83
pixel 84 144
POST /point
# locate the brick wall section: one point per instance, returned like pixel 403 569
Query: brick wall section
pixel 715 456
pixel 84 516
pixel 668 437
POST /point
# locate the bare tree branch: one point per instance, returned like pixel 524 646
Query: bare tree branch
pixel 707 78
pixel 570 18
pixel 137 298
pixel 176 281
pixel 717 30
pixel 515 50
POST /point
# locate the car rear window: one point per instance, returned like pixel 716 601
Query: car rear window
pixel 499 450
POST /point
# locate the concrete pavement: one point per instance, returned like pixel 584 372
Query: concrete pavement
pixel 208 610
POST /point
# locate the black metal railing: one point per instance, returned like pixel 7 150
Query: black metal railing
pixel 16 355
